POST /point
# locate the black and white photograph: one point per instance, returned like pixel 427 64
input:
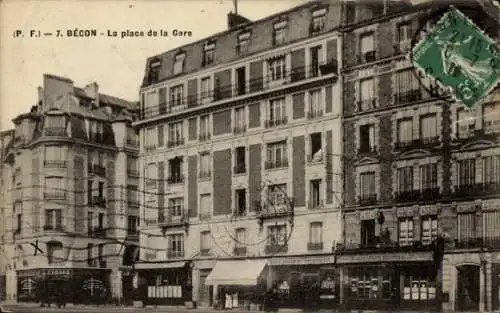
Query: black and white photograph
pixel 292 156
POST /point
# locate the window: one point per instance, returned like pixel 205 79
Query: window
pixel 429 229
pixel 90 221
pixel 205 206
pixel 151 175
pixel 240 160
pixel 316 151
pixel 132 224
pixel 240 198
pixel 175 134
pixel 100 221
pixel 150 138
pixel 53 219
pixel 277 112
pixel 176 207
pixel 132 138
pixel 466 123
pixel 404 32
pixel 55 156
pixel 315 60
pixel 205 242
pixel 466 228
pixel 175 171
pixel 407 87
pixel 405 179
pixel 243 43
pixel 318 21
pixel 428 177
pixel 316 232
pixel 161 136
pixel 466 172
pixel 367 47
pixel 55 252
pixel 367 94
pixel 405 131
pixel 100 252
pixel 491 220
pixel 315 104
pixel 55 126
pixel 205 168
pixel 54 188
pixel 491 169
pixel 491 117
pixel 176 95
pixel 19 223
pixel 315 194
pixel 277 156
pixel 279 32
pixel 276 196
pixel 239 120
pixel 367 138
pixel 405 231
pixel 367 185
pixel 132 166
pixel 208 53
pixel 240 236
pixel 90 254
pixel 204 127
pixel 176 245
pixel 154 71
pixel 428 128
pixel 179 63
pixel 277 68
pixel 151 100
pixel 277 235
pixel 205 88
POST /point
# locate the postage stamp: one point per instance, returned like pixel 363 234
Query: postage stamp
pixel 460 57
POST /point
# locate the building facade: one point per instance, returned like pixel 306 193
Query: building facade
pixel 423 171
pixel 240 146
pixel 67 170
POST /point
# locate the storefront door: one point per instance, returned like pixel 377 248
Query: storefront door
pixel 468 288
pixel 204 292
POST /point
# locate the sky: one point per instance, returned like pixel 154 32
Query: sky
pixel 116 64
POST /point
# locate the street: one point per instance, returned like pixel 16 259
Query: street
pixel 103 309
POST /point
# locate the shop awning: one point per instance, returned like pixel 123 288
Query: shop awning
pixel 160 265
pixel 236 272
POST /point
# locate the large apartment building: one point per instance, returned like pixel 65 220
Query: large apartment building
pixel 240 146
pixel 421 168
pixel 67 167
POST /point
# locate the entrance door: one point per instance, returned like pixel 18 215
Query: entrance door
pixel 467 288
pixel 127 289
pixel 204 293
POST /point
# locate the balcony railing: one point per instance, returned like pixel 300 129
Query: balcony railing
pixel 240 251
pixel 417 143
pixel 367 57
pixel 173 219
pixel 204 136
pixel 474 243
pixel 205 174
pixel 477 189
pixel 173 254
pixel 99 201
pixel 96 137
pixel 276 122
pixel 314 246
pixel 366 104
pixel 378 245
pixel 269 210
pixel 276 248
pixel 475 133
pixel 240 169
pixel 133 203
pixel 408 96
pixel 417 195
pixel 97 169
pixel 96 232
pixel 239 129
pixel 367 150
pixel 314 114
pixel 276 164
pixel 55 195
pixel 316 205
pixel 132 172
pixel 55 131
pixel 132 234
pixel 176 179
pixel 367 199
pixel 54 163
pixel 175 143
pixel 253 86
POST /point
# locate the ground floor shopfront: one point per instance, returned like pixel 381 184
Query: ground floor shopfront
pixel 81 285
pixel 380 281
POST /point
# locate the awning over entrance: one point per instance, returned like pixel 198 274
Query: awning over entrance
pixel 236 272
pixel 160 265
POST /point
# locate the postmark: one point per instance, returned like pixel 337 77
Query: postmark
pixel 459 57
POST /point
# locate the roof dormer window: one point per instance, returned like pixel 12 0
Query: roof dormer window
pixel 208 53
pixel 179 63
pixel 154 71
pixel 280 32
pixel 243 42
pixel 318 20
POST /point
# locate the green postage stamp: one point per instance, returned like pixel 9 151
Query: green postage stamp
pixel 460 57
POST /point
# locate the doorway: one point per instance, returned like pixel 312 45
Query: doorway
pixel 468 288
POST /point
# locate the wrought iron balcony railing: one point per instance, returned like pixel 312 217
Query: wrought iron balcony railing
pixel 276 164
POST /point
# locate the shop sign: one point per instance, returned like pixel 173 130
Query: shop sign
pixel 306 260
pixel 386 257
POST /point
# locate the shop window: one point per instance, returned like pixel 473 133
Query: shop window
pixel 364 283
pixel 419 286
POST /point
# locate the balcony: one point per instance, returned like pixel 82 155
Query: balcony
pixel 477 189
pixel 240 251
pixel 204 136
pixel 133 203
pixel 314 246
pixel 316 205
pixel 239 169
pixel 97 169
pixel 276 122
pixel 99 201
pixel 55 132
pixel 268 210
pixel 102 264
pixel 151 183
pixel 369 199
pixel 175 143
pixel 239 129
pixel 420 143
pixel 173 220
pixel 53 228
pixel 377 245
pixel 175 179
pixel 367 149
pixel 366 104
pixel 96 137
pixel 132 235
pixel 316 157
pixel 132 142
pixel 54 195
pixel 417 195
pixel 54 164
pixel 253 88
pixel 96 232
pixel 276 248
pixel 175 254
pixel 204 175
pixel 409 96
pixel 314 114
pixel 276 164
pixel 132 172
pixel 475 134
pixel 367 57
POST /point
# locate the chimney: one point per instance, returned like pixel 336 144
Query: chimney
pixel 92 90
pixel 55 87
pixel 234 20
